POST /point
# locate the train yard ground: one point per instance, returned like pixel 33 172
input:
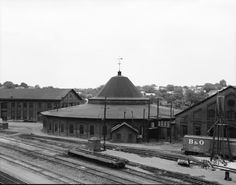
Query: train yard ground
pixel 31 156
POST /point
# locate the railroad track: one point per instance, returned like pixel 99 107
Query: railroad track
pixel 171 176
pixel 118 178
pixel 139 151
pixel 57 178
pixel 159 177
pixel 7 179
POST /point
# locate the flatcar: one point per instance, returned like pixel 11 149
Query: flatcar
pixel 110 161
pixel 203 145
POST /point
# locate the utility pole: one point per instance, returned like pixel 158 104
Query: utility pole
pixel 104 124
pixel 148 120
pixel 132 116
pixel 171 115
pixel 157 111
pixel 143 124
pixel 149 102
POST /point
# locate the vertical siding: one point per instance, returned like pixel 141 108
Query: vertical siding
pixel 204 114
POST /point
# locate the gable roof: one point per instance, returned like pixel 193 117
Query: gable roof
pixel 225 89
pixel 35 94
pixel 118 126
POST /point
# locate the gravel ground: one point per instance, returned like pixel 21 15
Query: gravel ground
pixel 36 128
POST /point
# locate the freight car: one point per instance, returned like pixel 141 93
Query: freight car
pixel 203 145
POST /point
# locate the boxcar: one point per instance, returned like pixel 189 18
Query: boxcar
pixel 203 144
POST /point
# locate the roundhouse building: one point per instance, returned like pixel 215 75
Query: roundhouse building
pixel 200 118
pixel 26 104
pixel 127 115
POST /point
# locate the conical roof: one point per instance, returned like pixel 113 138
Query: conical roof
pixel 119 90
pixel 119 86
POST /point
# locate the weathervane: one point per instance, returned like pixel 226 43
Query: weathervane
pixel 119 63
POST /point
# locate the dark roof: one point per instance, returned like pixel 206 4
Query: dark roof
pixel 119 86
pixel 121 96
pixel 122 125
pixel 35 94
pixel 96 111
pixel 185 110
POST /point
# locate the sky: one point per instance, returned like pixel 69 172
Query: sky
pixel 77 43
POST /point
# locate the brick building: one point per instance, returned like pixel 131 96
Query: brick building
pixel 199 118
pixel 124 103
pixel 26 104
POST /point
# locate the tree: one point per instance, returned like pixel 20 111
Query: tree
pixel 209 86
pixel 149 88
pixel 37 87
pixel 170 87
pixel 48 87
pixel 9 85
pixel 193 98
pixel 178 93
pixel 223 83
pixel 23 84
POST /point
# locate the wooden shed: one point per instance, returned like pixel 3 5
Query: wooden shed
pixel 124 133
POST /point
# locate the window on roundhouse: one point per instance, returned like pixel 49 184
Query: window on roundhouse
pixel 91 130
pixel 71 129
pixel 62 127
pixel 81 129
pixel 56 127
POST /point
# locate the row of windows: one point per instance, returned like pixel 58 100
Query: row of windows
pixel 196 130
pixel 231 115
pixel 39 105
pixel 71 128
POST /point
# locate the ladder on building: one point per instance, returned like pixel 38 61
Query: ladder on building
pixel 220 142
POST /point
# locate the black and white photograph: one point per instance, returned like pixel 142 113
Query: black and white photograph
pixel 118 92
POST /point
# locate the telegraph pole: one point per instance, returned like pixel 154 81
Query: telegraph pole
pixel 158 104
pixel 171 115
pixel 104 124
